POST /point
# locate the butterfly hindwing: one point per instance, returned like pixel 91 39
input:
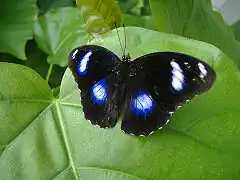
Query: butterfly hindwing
pixel 157 84
pixel 95 70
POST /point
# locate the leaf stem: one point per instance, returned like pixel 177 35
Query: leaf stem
pixel 49 72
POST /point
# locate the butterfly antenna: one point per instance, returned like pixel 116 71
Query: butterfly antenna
pixel 125 39
pixel 119 38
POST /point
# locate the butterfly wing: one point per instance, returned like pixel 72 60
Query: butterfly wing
pixel 96 72
pixel 157 84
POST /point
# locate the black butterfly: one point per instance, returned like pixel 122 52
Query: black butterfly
pixel 145 91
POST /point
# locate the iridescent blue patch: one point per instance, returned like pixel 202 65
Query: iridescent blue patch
pixel 142 104
pixel 99 92
pixel 83 63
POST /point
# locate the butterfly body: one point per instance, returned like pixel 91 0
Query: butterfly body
pixel 145 91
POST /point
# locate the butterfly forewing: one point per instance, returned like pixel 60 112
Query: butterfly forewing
pixel 157 84
pixel 91 63
pixel 95 70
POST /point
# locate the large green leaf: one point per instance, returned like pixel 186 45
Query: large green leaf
pixel 100 16
pixel 16 25
pixel 58 32
pixel 47 138
pixel 197 20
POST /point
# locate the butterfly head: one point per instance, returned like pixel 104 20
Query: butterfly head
pixel 126 58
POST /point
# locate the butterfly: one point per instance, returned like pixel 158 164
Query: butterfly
pixel 145 92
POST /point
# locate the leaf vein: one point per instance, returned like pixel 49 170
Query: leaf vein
pixel 63 171
pixel 66 142
pixel 24 130
pixel 110 170
pixel 212 146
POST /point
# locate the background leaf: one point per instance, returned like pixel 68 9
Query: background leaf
pixel 100 16
pixel 16 27
pixel 135 7
pixel 236 29
pixel 37 60
pixel 47 138
pixel 130 7
pixel 197 20
pixel 58 32
pixel 230 10
pixel 139 21
pixel 46 5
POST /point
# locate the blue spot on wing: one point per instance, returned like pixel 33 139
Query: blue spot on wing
pixel 83 63
pixel 99 92
pixel 142 104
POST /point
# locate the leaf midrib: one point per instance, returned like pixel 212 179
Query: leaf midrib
pixel 26 100
pixel 35 120
pixel 65 139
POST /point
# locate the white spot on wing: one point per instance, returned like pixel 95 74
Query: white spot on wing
pixel 177 76
pixel 142 104
pixel 202 70
pixel 84 63
pixel 99 92
pixel 175 66
pixel 74 54
pixel 143 101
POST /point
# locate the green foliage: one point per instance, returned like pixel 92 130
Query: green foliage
pixel 53 140
pixel 46 5
pixel 140 21
pixel 100 16
pixel 129 7
pixel 16 26
pixel 236 28
pixel 135 7
pixel 58 32
pixel 37 60
pixel 195 19
pixel 44 134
